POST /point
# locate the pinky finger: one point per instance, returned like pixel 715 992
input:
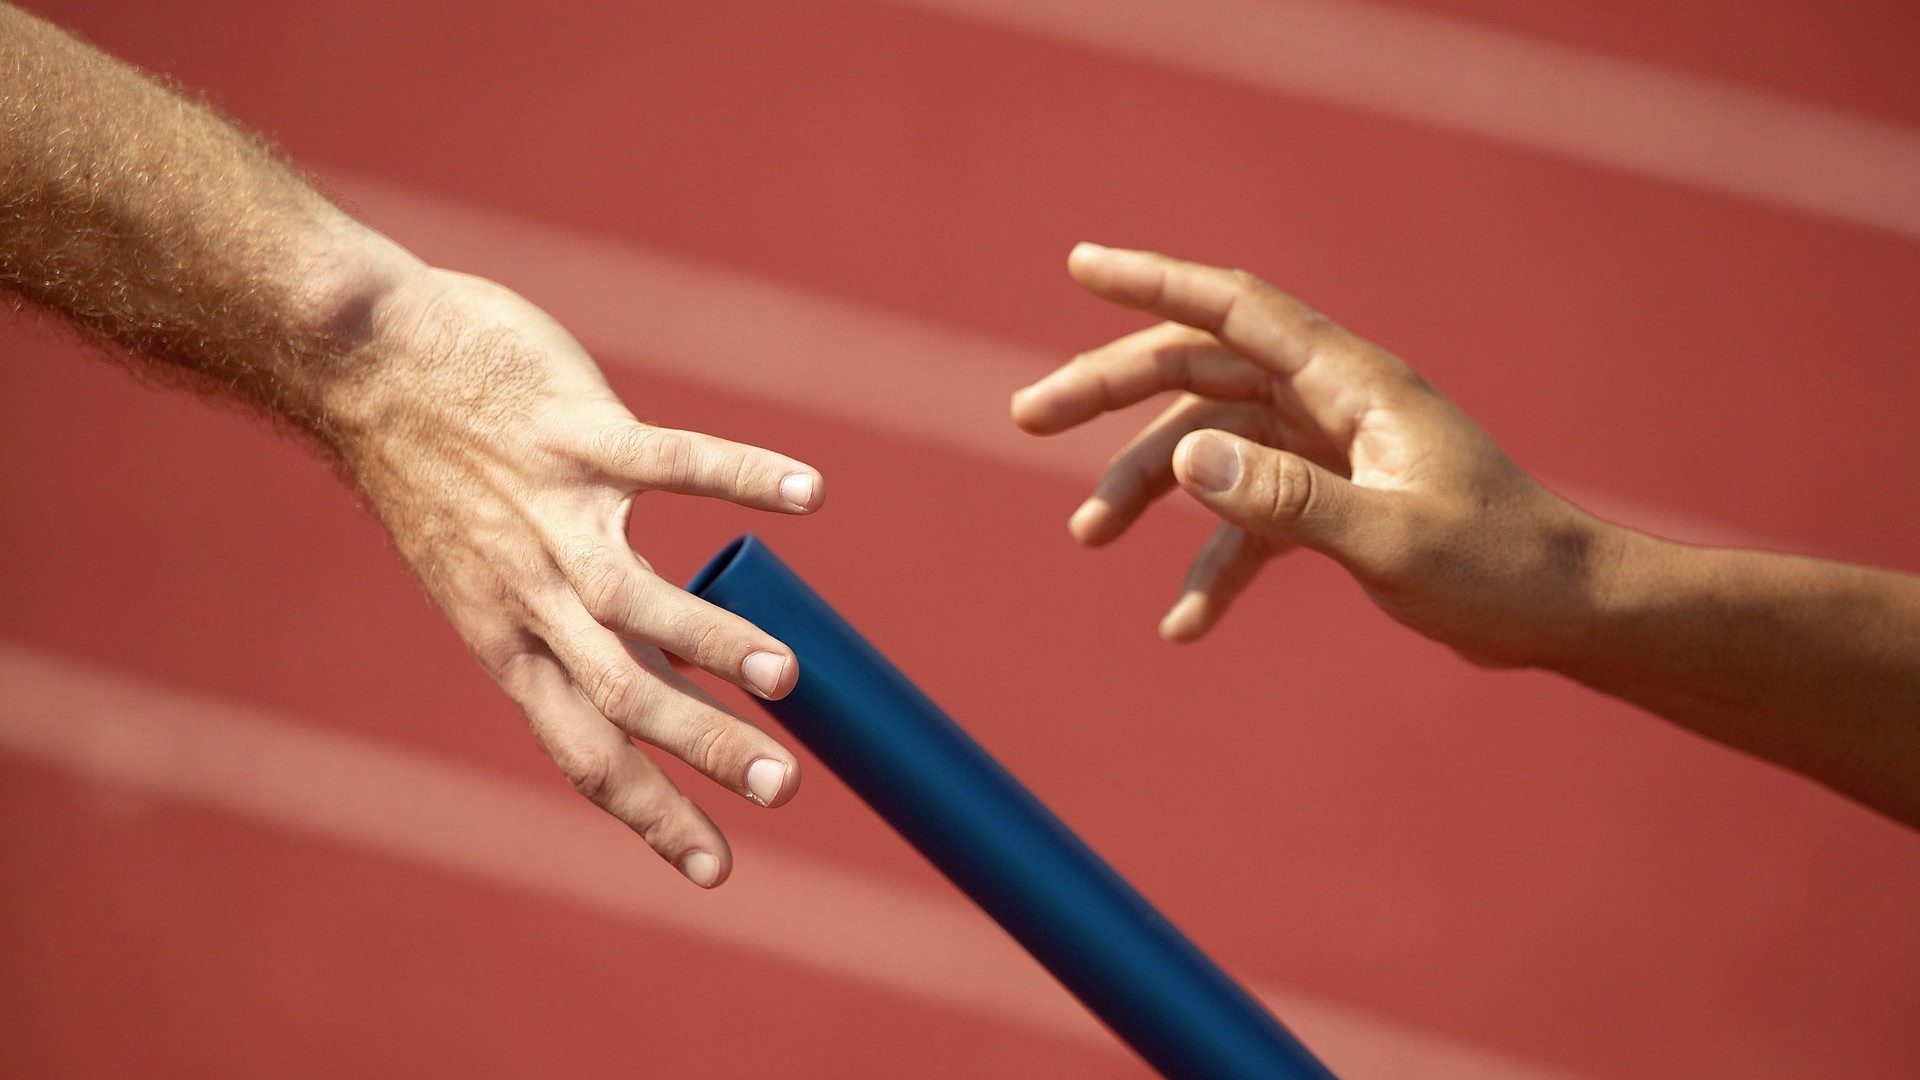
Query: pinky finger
pixel 1226 565
pixel 602 764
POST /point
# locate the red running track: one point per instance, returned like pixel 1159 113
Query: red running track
pixel 260 814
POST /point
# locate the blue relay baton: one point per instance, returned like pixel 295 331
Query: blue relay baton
pixel 987 833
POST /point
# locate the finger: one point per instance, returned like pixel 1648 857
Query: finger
pixel 1243 312
pixel 657 707
pixel 1335 377
pixel 1240 310
pixel 651 458
pixel 601 764
pixel 1225 566
pixel 1134 368
pixel 624 595
pixel 707 730
pixel 1283 496
pixel 1143 469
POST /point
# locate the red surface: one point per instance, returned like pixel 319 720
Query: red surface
pixel 1329 805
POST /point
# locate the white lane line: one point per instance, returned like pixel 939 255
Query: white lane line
pixel 1604 110
pixel 124 731
pixel 805 350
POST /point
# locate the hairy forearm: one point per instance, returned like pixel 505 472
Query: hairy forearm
pixel 1811 664
pixel 145 219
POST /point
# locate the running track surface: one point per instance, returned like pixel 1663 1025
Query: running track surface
pixel 260 814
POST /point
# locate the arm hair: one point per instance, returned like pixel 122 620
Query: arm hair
pixel 148 221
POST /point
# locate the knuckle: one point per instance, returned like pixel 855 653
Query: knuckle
pixel 1173 366
pixel 672 456
pixel 601 593
pixel 1321 334
pixel 745 476
pixel 618 691
pixel 1156 291
pixel 706 641
pixel 1289 489
pixel 577 555
pixel 600 577
pixel 661 455
pixel 590 771
pixel 653 816
pixel 712 750
pixel 501 654
pixel 1132 473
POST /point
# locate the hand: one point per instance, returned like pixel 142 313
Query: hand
pixel 506 469
pixel 480 432
pixel 1296 433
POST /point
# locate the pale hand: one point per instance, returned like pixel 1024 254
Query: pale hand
pixel 505 467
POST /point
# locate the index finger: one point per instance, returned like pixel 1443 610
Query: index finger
pixel 647 457
pixel 1249 315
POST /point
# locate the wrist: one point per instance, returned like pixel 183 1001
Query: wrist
pixel 346 276
pixel 355 287
pixel 1623 576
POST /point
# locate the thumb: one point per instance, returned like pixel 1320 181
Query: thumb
pixel 1273 493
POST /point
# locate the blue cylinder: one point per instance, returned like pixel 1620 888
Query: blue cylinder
pixel 986 832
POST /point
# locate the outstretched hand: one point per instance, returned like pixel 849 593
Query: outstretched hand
pixel 507 471
pixel 482 434
pixel 1296 433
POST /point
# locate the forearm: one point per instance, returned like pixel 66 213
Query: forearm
pixel 1811 664
pixel 147 220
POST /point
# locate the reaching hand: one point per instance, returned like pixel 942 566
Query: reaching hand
pixel 1296 433
pixel 507 471
pixel 481 433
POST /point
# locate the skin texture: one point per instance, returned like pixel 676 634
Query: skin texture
pixel 477 429
pixel 1296 433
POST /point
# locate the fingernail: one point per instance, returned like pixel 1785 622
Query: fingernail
pixel 1088 249
pixel 765 778
pixel 701 868
pixel 798 490
pixel 762 671
pixel 1213 463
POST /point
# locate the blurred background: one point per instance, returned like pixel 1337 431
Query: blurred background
pixel 260 815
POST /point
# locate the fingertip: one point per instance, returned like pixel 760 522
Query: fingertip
pixel 1091 265
pixel 770 675
pixel 1183 450
pixel 703 868
pixel 1207 461
pixel 1037 409
pixel 1019 405
pixel 1088 524
pixel 803 491
pixel 1107 271
pixel 772 782
pixel 1085 255
pixel 1186 620
pixel 1022 405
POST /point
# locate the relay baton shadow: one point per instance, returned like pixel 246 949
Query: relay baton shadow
pixel 987 833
